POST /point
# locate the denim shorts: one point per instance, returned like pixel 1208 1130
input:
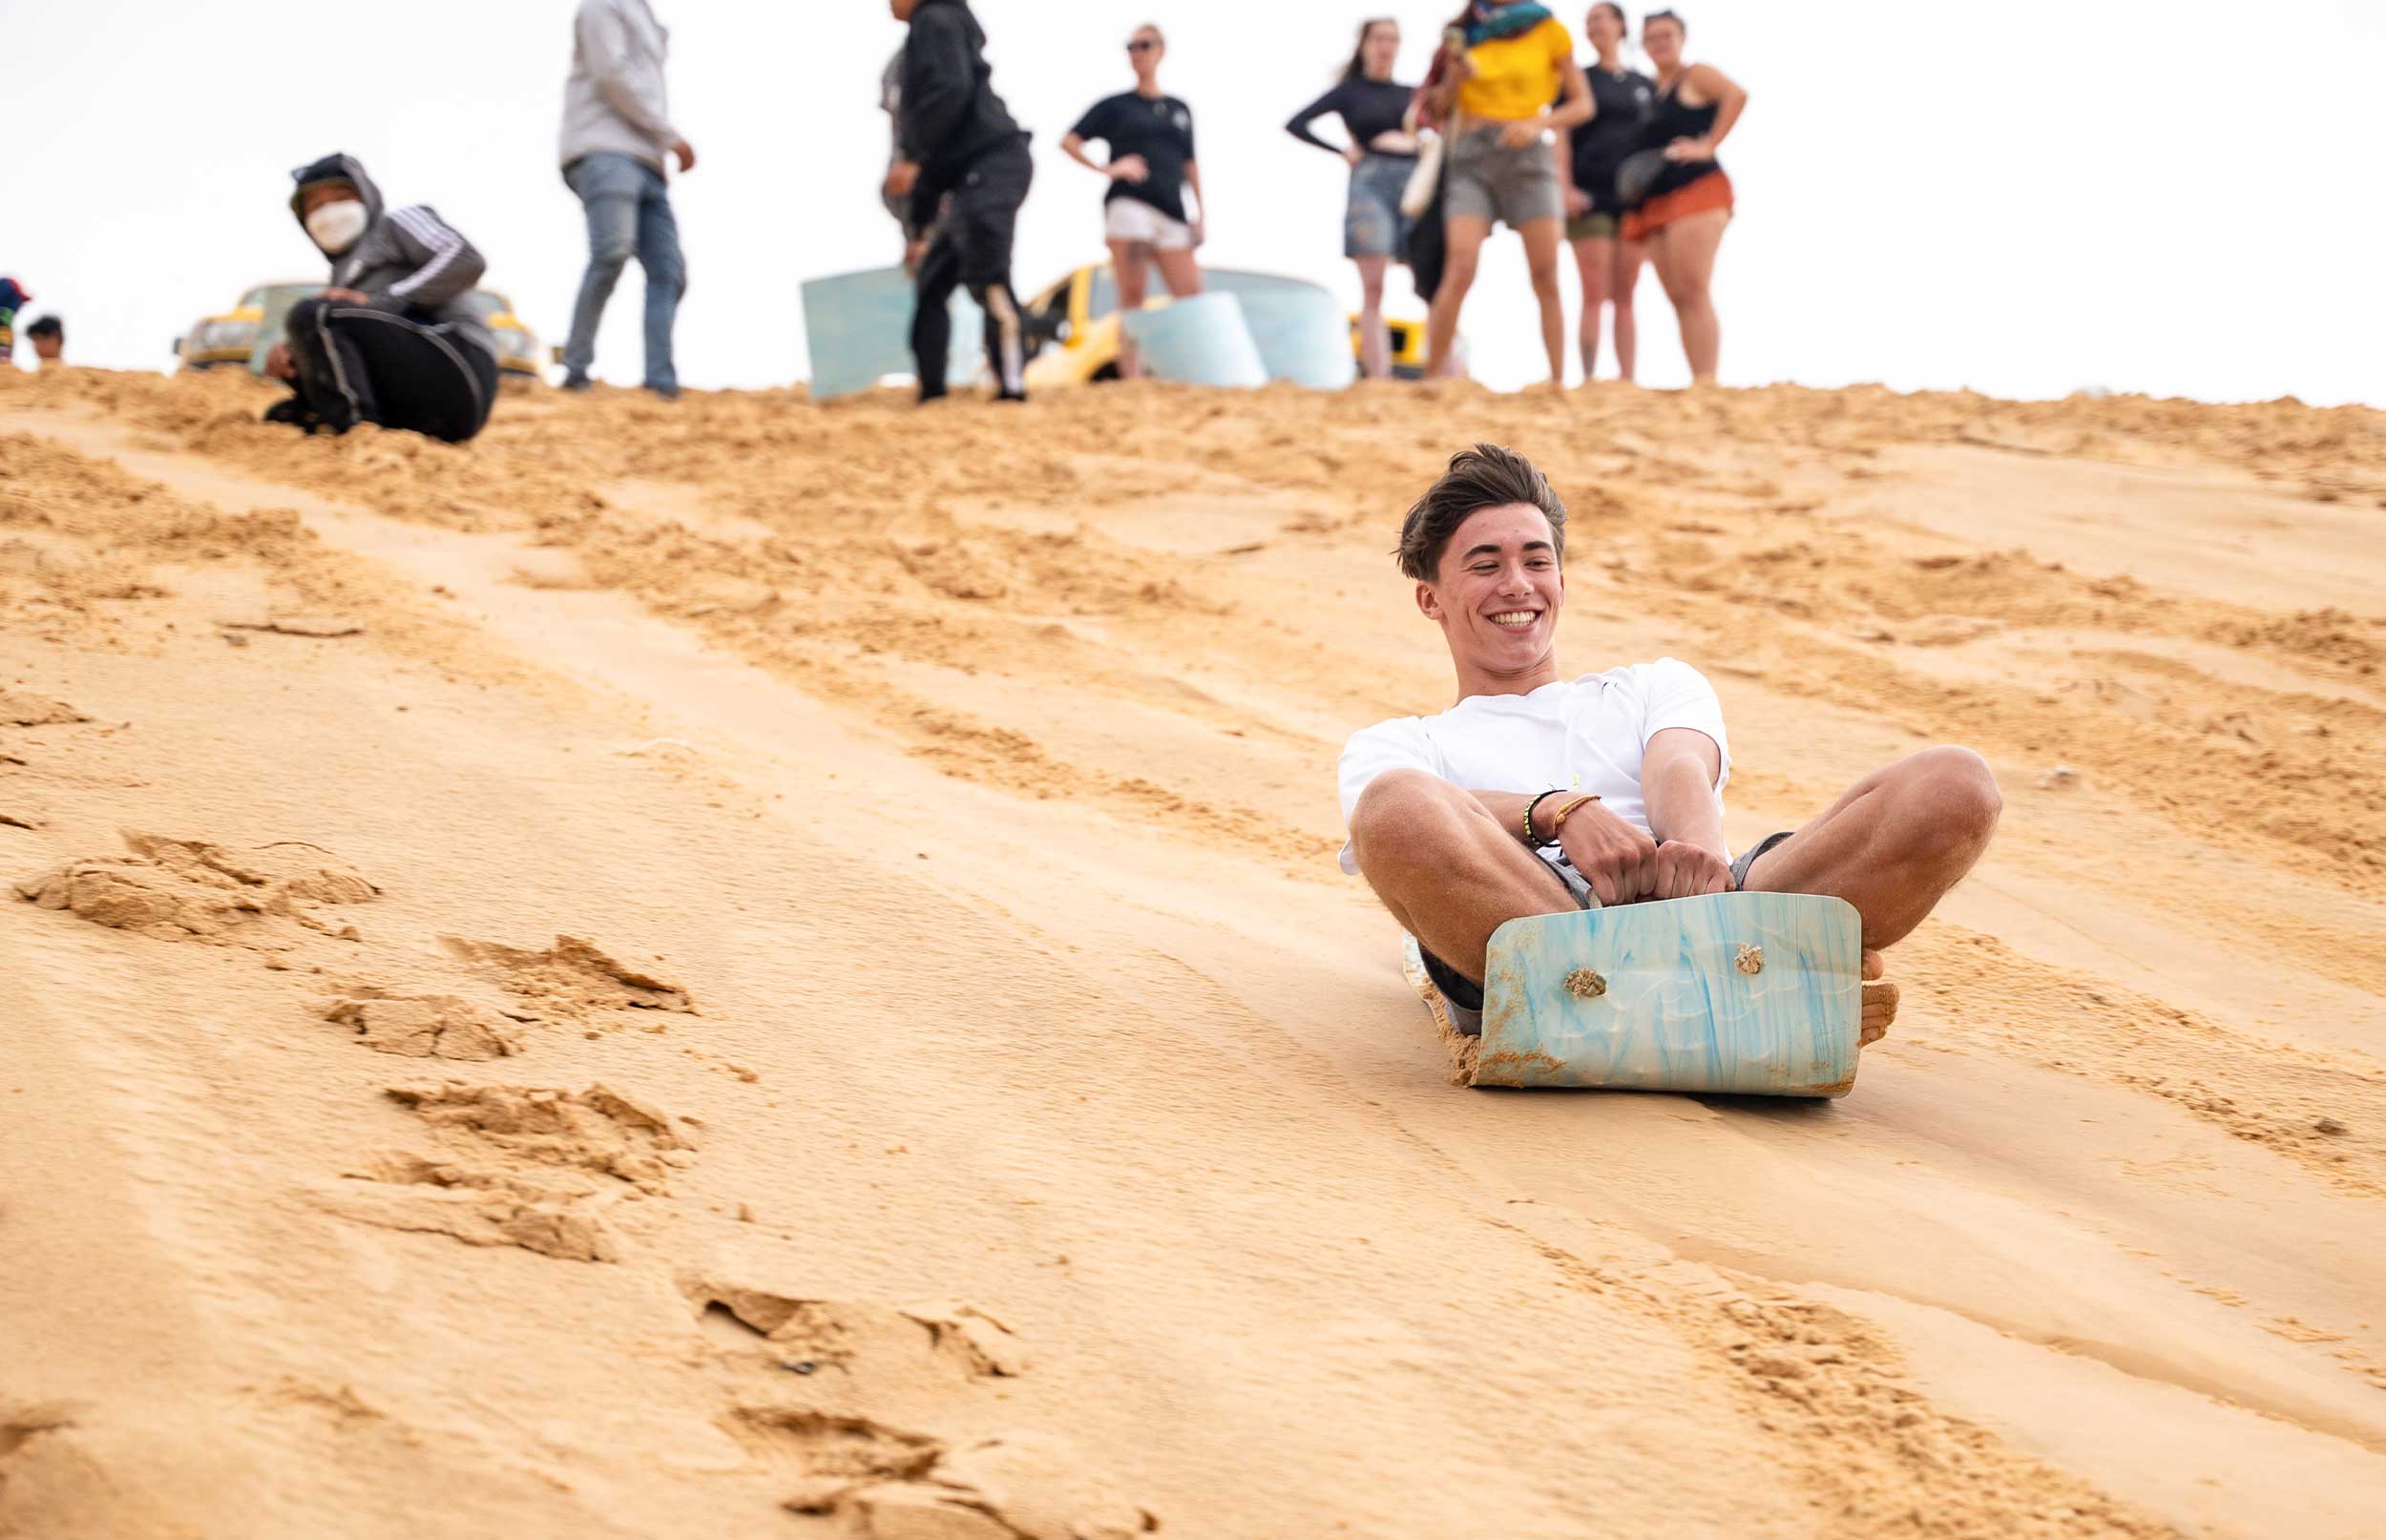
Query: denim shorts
pixel 1373 224
pixel 1499 185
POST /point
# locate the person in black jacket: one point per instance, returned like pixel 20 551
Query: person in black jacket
pixel 962 150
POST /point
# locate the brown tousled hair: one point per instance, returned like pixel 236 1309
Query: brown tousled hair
pixel 1357 66
pixel 1485 476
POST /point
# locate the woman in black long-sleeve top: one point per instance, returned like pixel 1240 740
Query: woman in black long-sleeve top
pixel 1382 152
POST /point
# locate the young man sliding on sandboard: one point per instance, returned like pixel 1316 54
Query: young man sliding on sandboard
pixel 1536 789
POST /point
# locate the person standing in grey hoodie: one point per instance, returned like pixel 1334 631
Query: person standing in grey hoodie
pixel 395 339
pixel 617 145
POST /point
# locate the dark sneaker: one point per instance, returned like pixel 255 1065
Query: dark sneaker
pixel 576 381
pixel 662 392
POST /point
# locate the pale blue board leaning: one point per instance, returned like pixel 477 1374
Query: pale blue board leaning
pixel 1302 332
pixel 1661 998
pixel 857 328
pixel 1200 341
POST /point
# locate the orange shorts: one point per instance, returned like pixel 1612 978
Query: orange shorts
pixel 1713 192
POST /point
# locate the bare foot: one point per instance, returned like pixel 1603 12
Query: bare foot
pixel 1881 1000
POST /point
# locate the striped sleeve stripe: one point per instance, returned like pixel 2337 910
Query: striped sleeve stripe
pixel 446 246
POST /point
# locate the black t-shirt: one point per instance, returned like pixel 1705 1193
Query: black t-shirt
pixel 1368 108
pixel 1626 101
pixel 1158 128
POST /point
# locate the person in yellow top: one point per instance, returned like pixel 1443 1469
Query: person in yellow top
pixel 1501 69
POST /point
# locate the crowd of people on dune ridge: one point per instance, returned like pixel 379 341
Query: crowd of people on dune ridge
pixel 1506 128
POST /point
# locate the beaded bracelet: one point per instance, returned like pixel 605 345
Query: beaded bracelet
pixel 1532 840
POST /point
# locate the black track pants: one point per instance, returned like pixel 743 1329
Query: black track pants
pixel 972 248
pixel 359 365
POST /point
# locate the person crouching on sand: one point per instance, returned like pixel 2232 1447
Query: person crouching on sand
pixel 395 339
pixel 1535 791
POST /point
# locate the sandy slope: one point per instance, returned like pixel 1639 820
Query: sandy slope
pixel 750 969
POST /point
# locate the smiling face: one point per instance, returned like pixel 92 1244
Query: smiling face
pixel 1605 27
pixel 1661 39
pixel 1380 49
pixel 1497 597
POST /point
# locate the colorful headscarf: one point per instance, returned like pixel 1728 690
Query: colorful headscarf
pixel 1491 22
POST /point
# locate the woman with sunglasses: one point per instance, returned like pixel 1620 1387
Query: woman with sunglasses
pixel 1684 208
pixel 1382 154
pixel 1621 101
pixel 1500 68
pixel 1149 136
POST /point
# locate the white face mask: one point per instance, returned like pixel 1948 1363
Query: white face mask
pixel 337 226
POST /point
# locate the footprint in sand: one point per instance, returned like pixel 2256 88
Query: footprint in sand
pixel 571 981
pixel 833 1363
pixel 187 889
pixel 426 1026
pixel 20 710
pixel 915 1344
pixel 540 1169
pixel 892 1484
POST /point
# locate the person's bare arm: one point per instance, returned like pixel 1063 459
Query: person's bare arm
pixel 1575 105
pixel 1616 860
pixel 1124 169
pixel 1678 769
pixel 1193 182
pixel 1729 102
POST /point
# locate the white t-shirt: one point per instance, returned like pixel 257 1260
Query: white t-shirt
pixel 1578 735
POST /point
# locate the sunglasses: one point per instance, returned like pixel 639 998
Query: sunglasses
pixel 1142 45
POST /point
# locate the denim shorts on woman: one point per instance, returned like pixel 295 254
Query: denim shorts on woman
pixel 1510 187
pixel 1373 224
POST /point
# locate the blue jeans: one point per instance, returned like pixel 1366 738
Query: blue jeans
pixel 629 214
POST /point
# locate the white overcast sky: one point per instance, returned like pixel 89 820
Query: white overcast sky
pixel 2180 197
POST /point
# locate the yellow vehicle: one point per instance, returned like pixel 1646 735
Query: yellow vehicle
pixel 1072 326
pixel 241 335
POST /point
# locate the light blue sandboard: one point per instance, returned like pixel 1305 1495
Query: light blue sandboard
pixel 857 328
pixel 1741 993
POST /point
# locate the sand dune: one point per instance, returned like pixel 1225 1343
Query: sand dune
pixel 749 968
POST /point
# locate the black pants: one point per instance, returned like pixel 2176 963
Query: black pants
pixel 972 247
pixel 359 365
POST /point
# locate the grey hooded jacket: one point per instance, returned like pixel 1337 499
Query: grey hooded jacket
pixel 411 261
pixel 615 100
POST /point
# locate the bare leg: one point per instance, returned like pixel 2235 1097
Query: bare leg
pixel 1181 271
pixel 1892 846
pixel 1128 265
pixel 1685 264
pixel 1894 843
pixel 1445 869
pixel 1463 238
pixel 1541 240
pixel 1594 260
pixel 1630 255
pixel 1374 341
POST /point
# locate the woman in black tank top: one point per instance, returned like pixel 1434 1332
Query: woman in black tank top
pixel 1682 213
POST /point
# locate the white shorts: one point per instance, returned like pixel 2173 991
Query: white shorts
pixel 1132 220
